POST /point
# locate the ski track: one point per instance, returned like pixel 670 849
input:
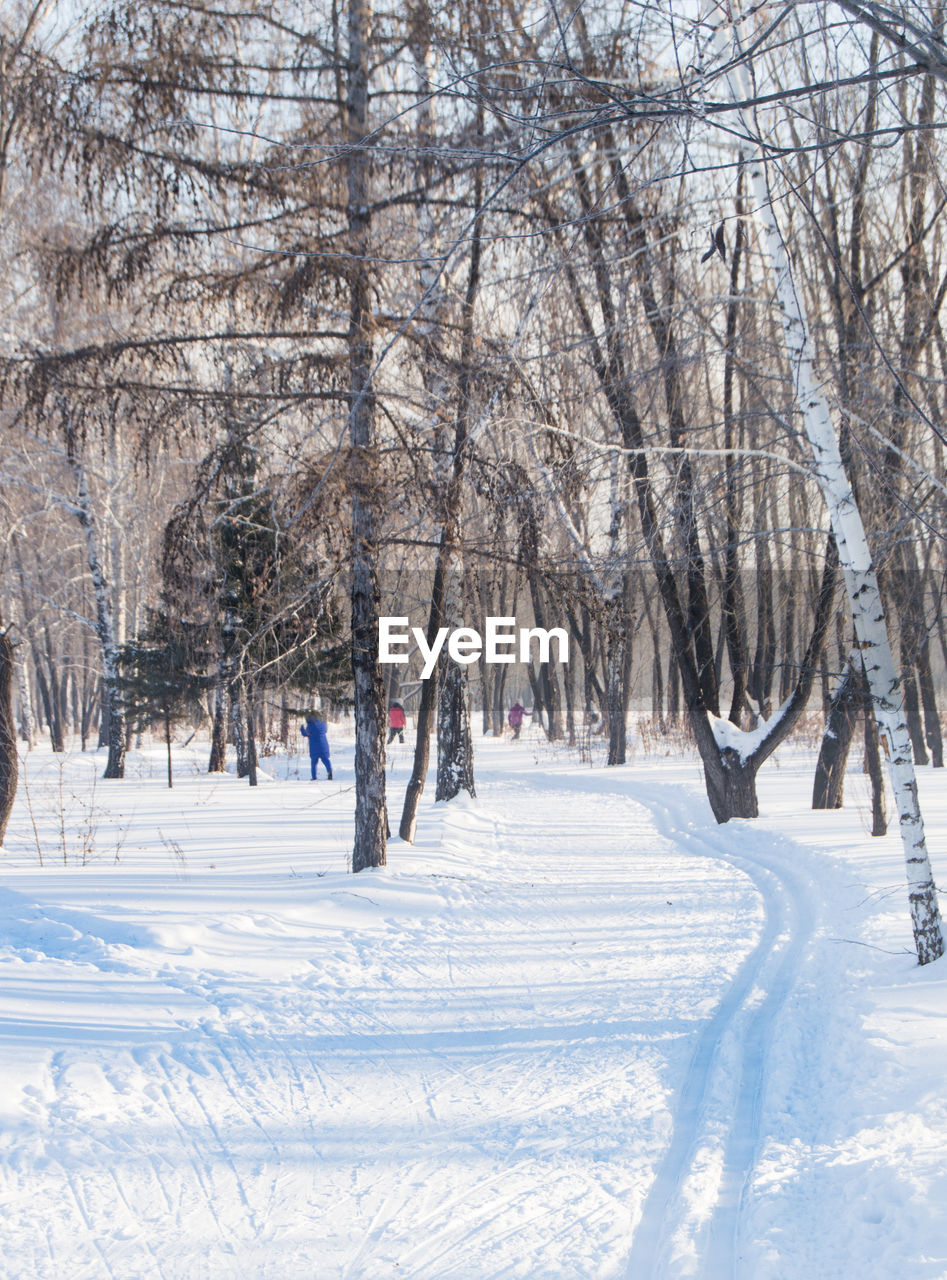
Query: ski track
pixel 675 1238
pixel 223 1124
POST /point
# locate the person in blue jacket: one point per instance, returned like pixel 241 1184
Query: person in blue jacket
pixel 315 730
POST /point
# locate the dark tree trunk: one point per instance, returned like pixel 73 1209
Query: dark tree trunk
pixel 448 702
pixel 825 686
pixel 548 679
pixel 454 749
pixel 47 703
pixel 932 730
pixel 251 733
pixel 167 743
pixel 829 784
pixel 53 699
pixel 617 728
pixel 912 708
pixel 539 708
pixel 239 726
pixel 9 765
pixel 218 734
pixel 761 677
pixel 618 641
pixel 115 764
pixel 486 697
pixel 619 676
pixel 88 710
pixel 657 690
pixel 674 688
pixel 371 821
pixel 787 676
pixel 592 691
pixel 879 820
pixel 427 704
pixel 75 712
pixel 498 700
pixel 103 739
pixel 569 686
pixel 731 785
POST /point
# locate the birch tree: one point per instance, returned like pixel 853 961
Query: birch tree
pixel 853 549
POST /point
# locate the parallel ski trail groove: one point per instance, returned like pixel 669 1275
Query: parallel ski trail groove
pixel 771 966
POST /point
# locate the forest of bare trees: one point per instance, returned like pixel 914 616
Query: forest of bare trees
pixel 610 317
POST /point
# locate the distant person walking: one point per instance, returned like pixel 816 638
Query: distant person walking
pixel 315 730
pixel 515 718
pixel 396 722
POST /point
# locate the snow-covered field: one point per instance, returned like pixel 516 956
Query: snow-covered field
pixel 576 1031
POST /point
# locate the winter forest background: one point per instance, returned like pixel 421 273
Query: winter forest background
pixel 619 318
pixel 315 314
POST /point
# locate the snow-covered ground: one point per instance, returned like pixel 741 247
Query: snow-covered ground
pixel 577 1031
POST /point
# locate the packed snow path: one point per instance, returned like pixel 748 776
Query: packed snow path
pixel 578 1031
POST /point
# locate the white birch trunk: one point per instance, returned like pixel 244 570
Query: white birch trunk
pixel 854 553
pixel 28 722
pixel 27 718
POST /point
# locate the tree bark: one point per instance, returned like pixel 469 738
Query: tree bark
pixel 619 654
pixel 371 822
pixel 239 726
pixel 9 764
pixel 829 783
pixel 218 736
pixel 925 679
pixel 452 702
pixel 167 742
pixel 879 820
pixel 249 692
pixel 455 772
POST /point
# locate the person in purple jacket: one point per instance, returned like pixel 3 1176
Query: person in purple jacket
pixel 515 718
pixel 315 730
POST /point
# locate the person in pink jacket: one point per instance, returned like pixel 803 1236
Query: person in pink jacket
pixel 396 722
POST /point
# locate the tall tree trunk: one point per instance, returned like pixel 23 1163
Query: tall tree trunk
pixel 238 725
pixel 103 730
pixel 829 783
pixel 451 702
pixel 9 764
pixel 764 661
pixel 925 678
pixel 879 820
pixel 167 742
pixel 912 705
pixel 250 694
pixel 674 687
pixel 49 689
pixel 569 685
pixel 371 821
pixel 619 669
pixel 218 735
pixel 455 772
pixel 27 718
